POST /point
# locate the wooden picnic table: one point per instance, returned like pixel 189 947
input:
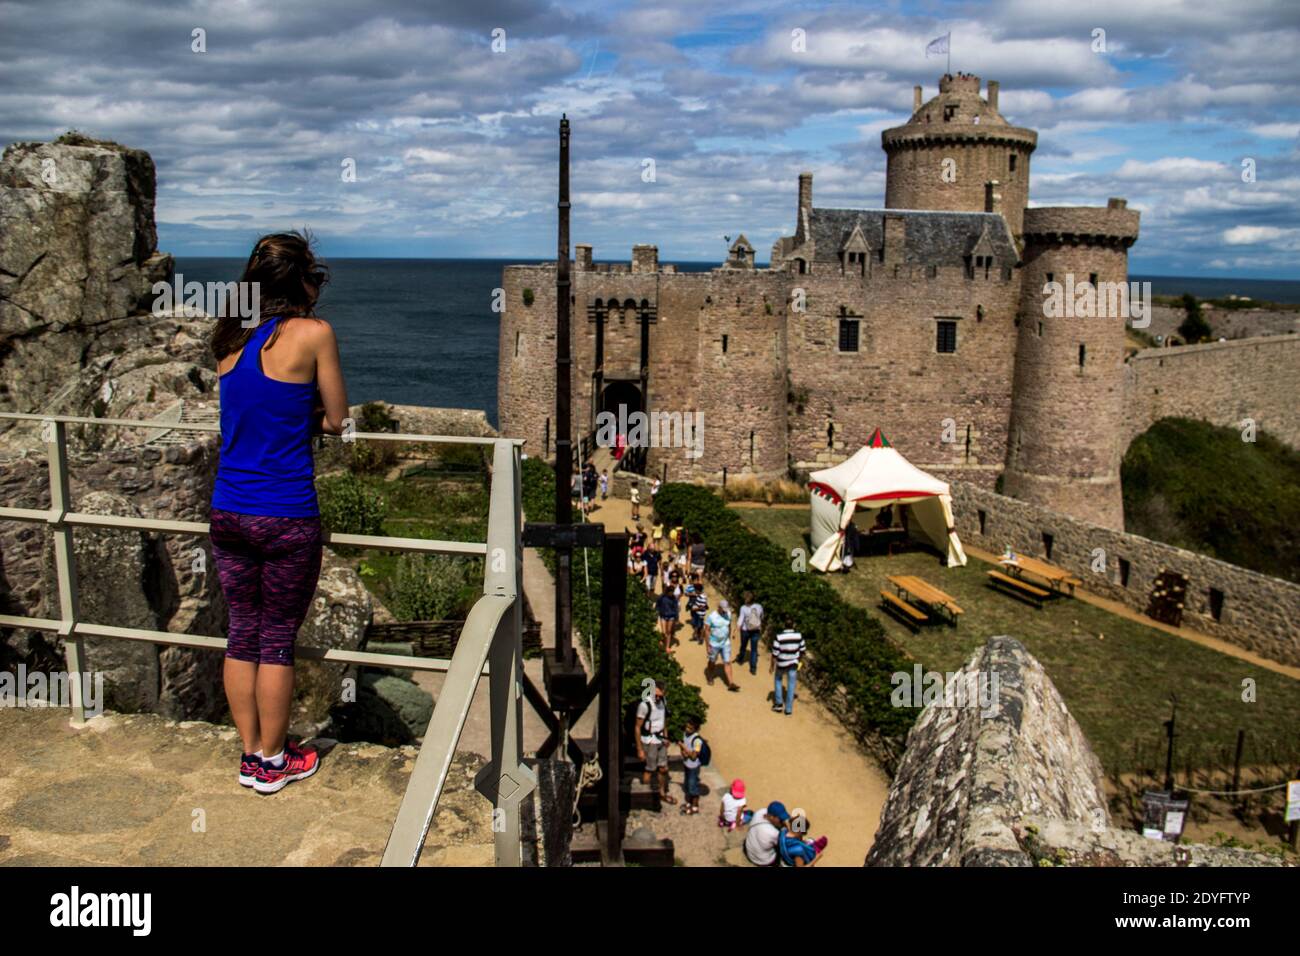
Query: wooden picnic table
pixel 925 592
pixel 1056 578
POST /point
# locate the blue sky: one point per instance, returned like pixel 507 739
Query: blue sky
pixel 454 141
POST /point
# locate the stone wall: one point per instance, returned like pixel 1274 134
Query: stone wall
pixel 1013 785
pixel 947 412
pixel 1219 382
pixel 1259 613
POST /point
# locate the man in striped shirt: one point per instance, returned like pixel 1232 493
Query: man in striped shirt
pixel 787 648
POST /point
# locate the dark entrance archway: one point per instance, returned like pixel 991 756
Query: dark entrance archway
pixel 621 393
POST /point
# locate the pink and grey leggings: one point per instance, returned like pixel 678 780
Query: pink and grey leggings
pixel 268 569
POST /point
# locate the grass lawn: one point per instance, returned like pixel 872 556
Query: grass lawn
pixel 1116 675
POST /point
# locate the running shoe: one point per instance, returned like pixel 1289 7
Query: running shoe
pixel 298 765
pixel 249 764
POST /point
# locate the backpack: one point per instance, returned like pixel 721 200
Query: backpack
pixel 706 752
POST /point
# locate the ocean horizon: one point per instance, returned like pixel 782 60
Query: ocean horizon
pixel 422 331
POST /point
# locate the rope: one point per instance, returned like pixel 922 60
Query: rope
pixel 589 776
pixel 1230 793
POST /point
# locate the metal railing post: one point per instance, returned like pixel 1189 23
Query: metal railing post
pixel 506 781
pixel 65 563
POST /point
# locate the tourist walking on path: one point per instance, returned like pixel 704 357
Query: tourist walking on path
pixel 720 625
pixel 589 482
pixel 636 500
pixel 279 381
pixel 697 602
pixel 750 623
pixel 651 557
pixel 667 610
pixel 692 748
pixel 604 485
pixel 651 740
pixel 787 649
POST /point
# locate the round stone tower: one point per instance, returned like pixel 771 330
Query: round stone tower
pixel 952 148
pixel 1063 451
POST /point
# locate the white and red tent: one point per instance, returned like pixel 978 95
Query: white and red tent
pixel 874 477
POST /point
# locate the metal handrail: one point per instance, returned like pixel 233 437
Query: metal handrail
pixel 490 644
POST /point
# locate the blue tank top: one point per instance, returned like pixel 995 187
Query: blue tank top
pixel 266 464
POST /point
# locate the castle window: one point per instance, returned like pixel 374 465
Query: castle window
pixel 1051 276
pixel 855 262
pixel 1011 163
pixel 979 313
pixel 1123 572
pixel 724 345
pixel 751 449
pixel 1092 279
pixel 517 336
pixel 968 443
pixel 1083 354
pixel 848 334
pixel 949 112
pixel 983 519
pixel 1216 604
pixel 1048 540
pixel 1040 329
pixel 801 266
pixel 945 335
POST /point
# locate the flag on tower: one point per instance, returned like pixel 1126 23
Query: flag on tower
pixel 938 44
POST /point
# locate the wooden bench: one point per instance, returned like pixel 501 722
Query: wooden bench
pixel 1018 588
pixel 910 615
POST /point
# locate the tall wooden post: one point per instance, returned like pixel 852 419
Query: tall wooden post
pixel 563 419
pixel 613 572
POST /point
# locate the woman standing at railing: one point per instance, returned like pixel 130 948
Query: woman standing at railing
pixel 280 381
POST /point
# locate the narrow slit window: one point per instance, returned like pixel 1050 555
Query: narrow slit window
pixel 1048 541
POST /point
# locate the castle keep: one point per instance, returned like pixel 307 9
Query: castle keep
pixel 925 318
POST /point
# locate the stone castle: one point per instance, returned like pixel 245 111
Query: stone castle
pixel 926 318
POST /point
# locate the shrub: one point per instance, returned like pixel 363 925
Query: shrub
pixel 1194 328
pixel 1174 491
pixel 528 297
pixel 348 506
pixel 847 646
pixel 374 456
pixel 433 587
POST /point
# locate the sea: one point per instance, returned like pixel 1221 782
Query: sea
pixel 422 331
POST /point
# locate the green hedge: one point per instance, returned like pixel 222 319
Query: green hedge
pixel 643 654
pixel 847 646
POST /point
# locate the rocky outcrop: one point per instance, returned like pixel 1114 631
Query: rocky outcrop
pixel 1009 780
pixel 78 260
pixel 968 774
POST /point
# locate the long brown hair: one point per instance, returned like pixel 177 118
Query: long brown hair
pixel 289 278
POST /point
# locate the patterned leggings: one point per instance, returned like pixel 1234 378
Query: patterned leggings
pixel 268 569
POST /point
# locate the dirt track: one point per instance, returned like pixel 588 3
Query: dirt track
pixel 805 760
